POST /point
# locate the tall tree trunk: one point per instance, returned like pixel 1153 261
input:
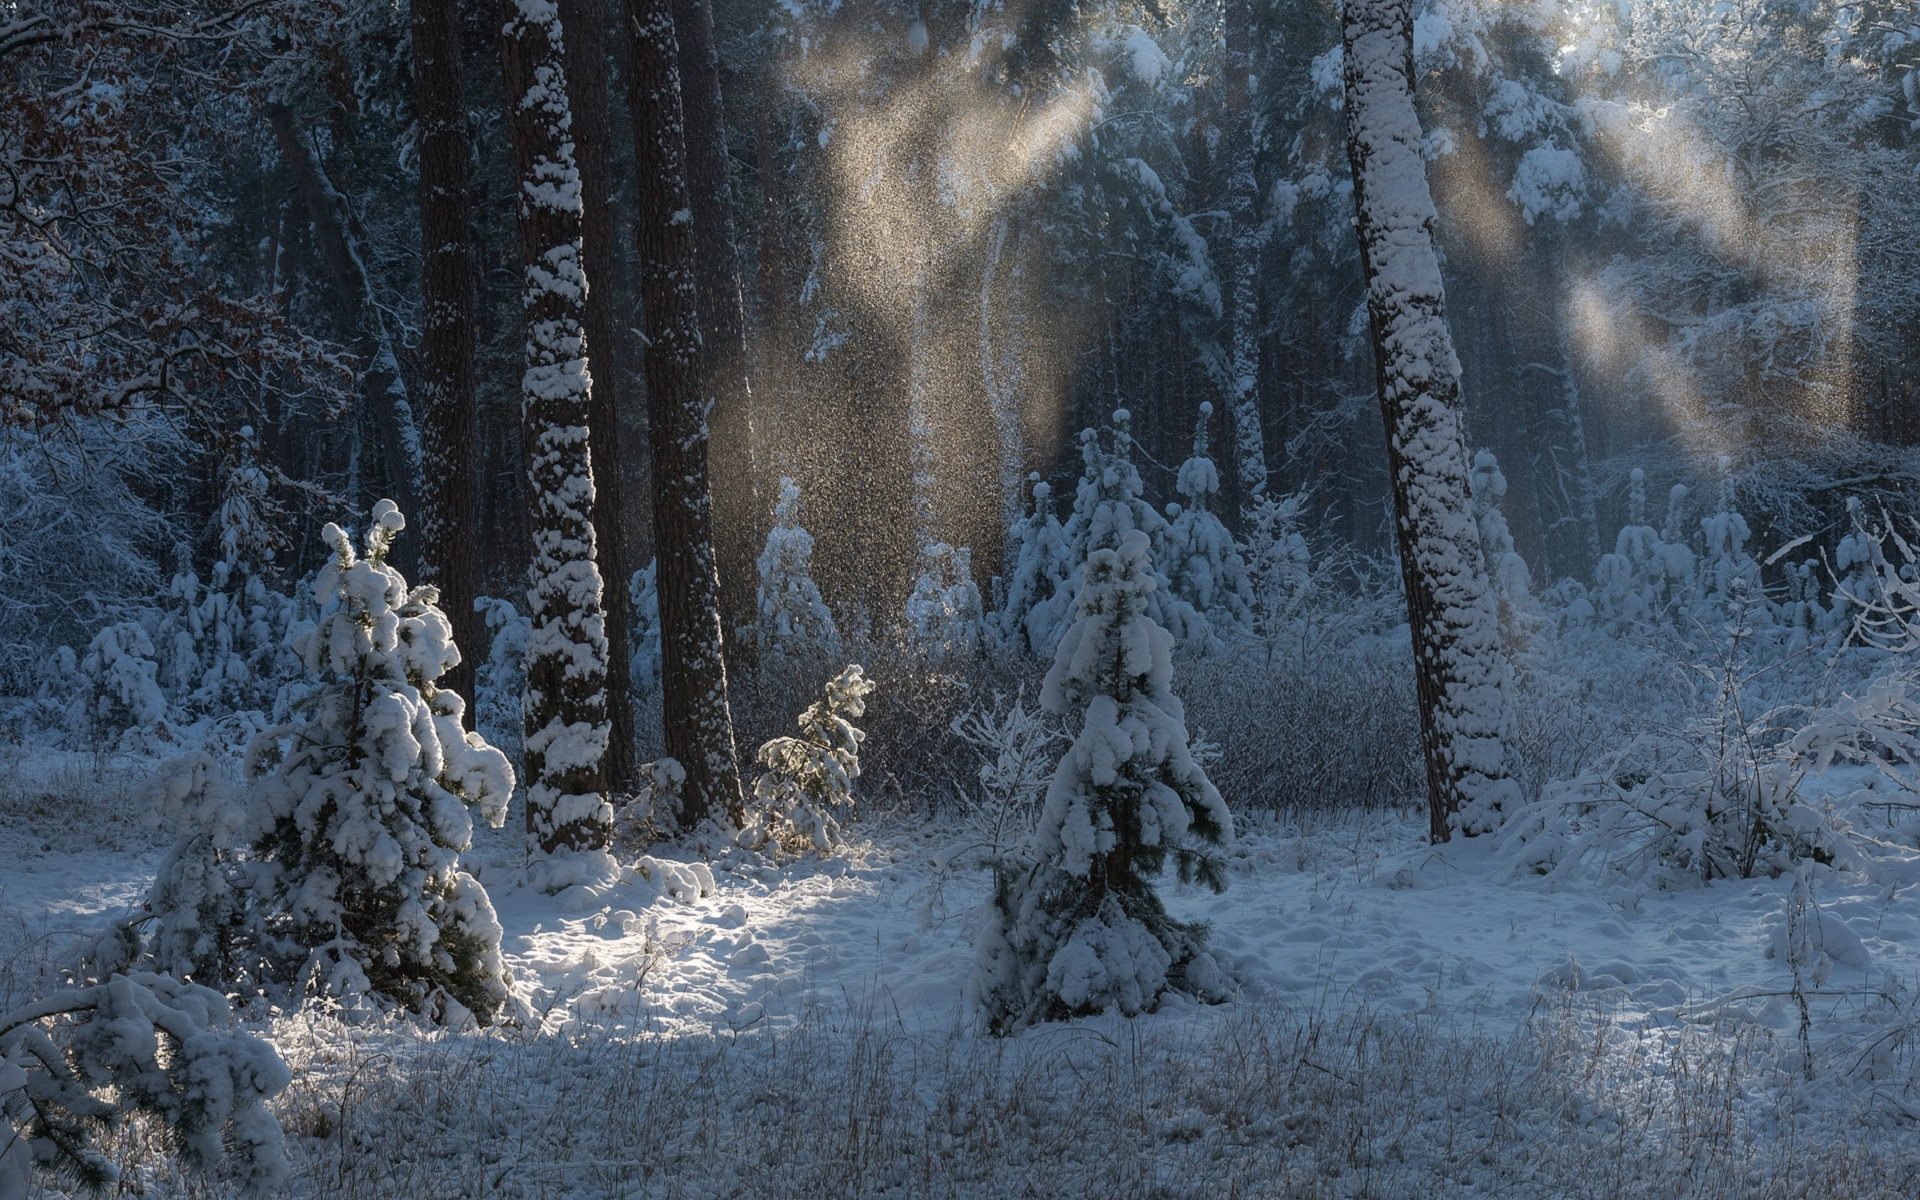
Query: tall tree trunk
pixel 698 721
pixel 383 391
pixel 449 497
pixel 1460 668
pixel 723 365
pixel 566 705
pixel 585 23
pixel 1243 401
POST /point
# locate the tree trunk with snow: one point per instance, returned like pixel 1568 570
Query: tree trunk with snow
pixel 694 709
pixel 1242 193
pixel 1461 670
pixel 449 498
pixel 585 23
pixel 723 365
pixel 566 704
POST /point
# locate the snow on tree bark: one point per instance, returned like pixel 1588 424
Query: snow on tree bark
pixel 695 714
pixel 566 703
pixel 1242 188
pixel 1461 671
pixel 449 497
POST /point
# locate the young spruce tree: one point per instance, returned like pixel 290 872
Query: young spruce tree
pixel 1078 928
pixel 360 812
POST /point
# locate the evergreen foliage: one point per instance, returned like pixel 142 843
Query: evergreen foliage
pixel 806 783
pixel 794 620
pixel 360 810
pixel 1077 926
pixel 1203 563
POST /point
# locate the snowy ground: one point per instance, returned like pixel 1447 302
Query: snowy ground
pixel 1413 1021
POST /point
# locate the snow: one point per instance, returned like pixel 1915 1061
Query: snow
pixel 1352 918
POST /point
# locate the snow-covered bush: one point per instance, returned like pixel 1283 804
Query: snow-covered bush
pixel 122 683
pixel 500 683
pixel 806 782
pixel 943 611
pixel 1015 744
pixel 361 809
pixel 1719 795
pixel 1203 563
pixel 1078 928
pixel 794 619
pixel 1649 571
pixel 1041 561
pixel 198 911
pixel 76 1063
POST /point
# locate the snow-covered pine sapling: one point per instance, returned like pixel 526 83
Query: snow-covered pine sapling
pixel 1729 576
pixel 360 812
pixel 1859 563
pixel 806 782
pixel 794 620
pixel 1520 616
pixel 121 688
pixel 943 611
pixel 1279 567
pixel 1636 586
pixel 198 912
pixel 74 1064
pixel 1079 927
pixel 1042 561
pixel 1203 563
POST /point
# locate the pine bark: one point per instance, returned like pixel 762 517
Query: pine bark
pixel 566 703
pixel 585 25
pixel 694 709
pixel 1461 670
pixel 449 498
pixel 723 366
pixel 1250 455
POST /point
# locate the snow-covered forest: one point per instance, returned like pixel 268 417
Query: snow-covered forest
pixel 816 598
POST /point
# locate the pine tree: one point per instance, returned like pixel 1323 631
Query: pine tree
pixel 806 782
pixel 361 811
pixel 943 611
pixel 794 619
pixel 1042 562
pixel 1203 562
pixel 566 706
pixel 1461 672
pixel 1728 578
pixel 1279 567
pixel 1078 928
pixel 120 688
